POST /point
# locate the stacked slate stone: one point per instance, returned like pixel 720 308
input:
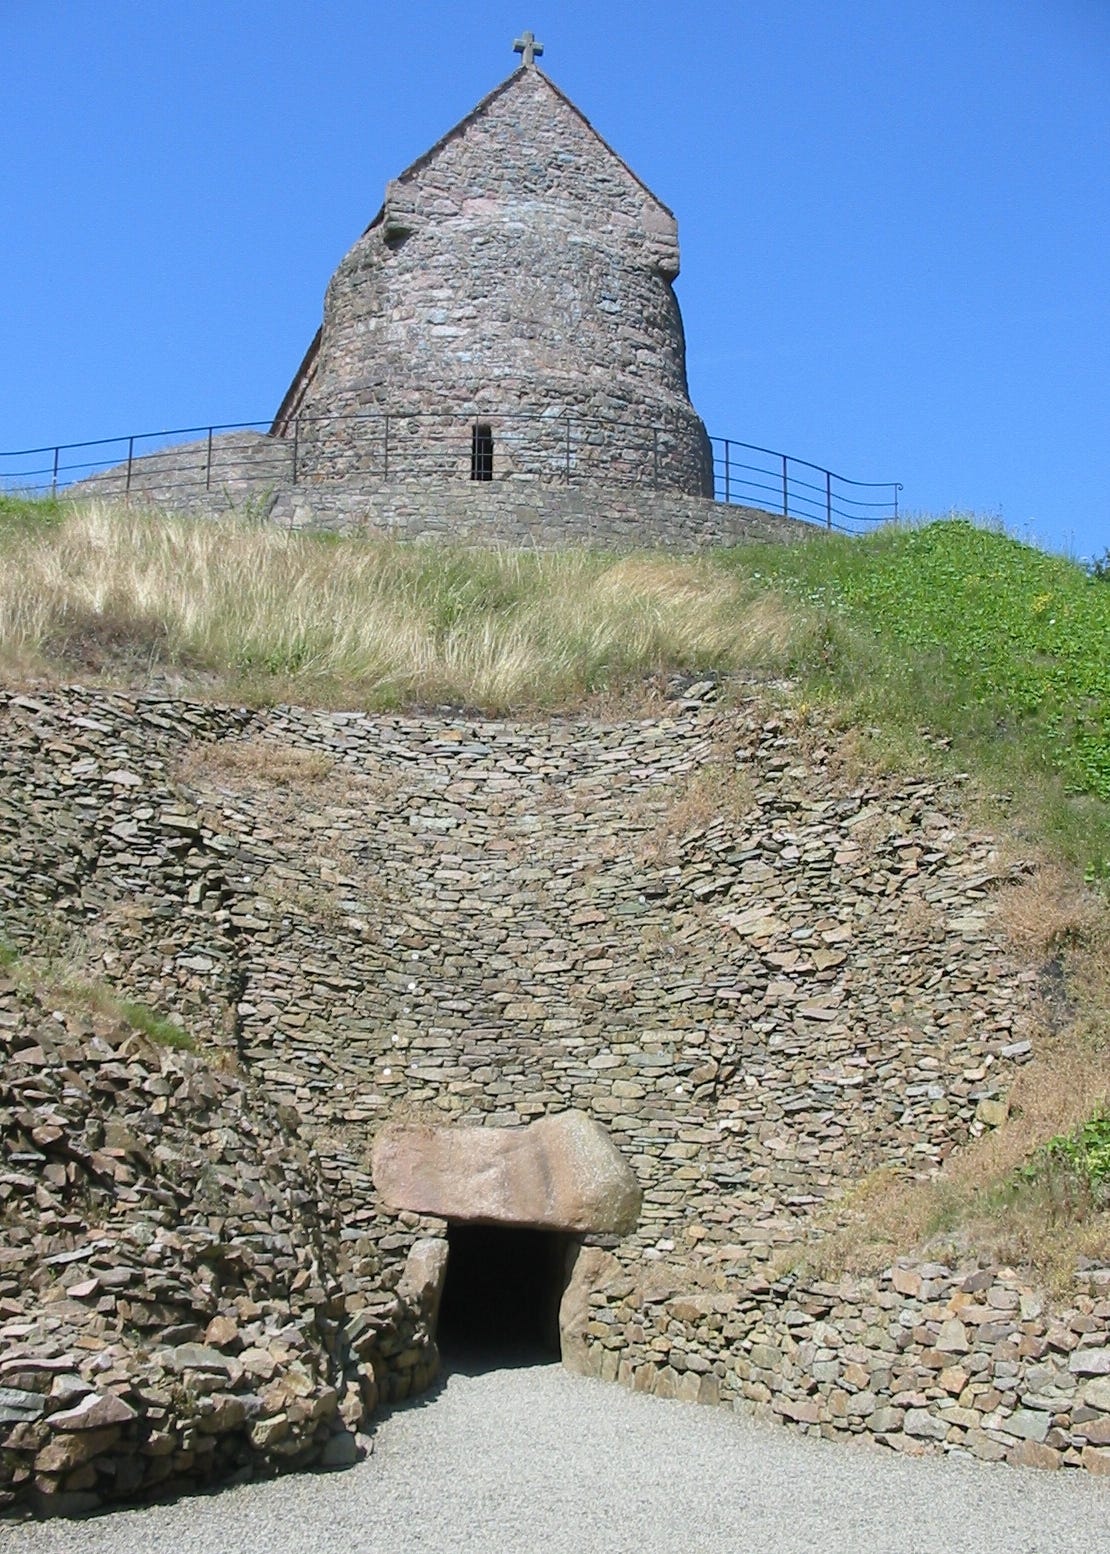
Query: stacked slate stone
pixel 170 1308
pixel 925 1358
pixel 762 972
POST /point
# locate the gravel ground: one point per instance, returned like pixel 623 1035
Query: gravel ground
pixel 536 1459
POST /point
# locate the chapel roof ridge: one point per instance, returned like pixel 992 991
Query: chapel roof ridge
pixel 516 76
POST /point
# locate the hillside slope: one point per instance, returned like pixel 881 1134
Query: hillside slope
pixel 717 878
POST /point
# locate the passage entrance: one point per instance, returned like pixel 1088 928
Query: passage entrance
pixel 501 1294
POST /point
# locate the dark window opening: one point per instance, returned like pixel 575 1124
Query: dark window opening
pixel 501 1295
pixel 481 451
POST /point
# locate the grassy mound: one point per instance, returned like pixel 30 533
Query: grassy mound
pixel 943 645
pixel 977 639
pixel 937 642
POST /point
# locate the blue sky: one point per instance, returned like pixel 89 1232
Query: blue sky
pixel 894 214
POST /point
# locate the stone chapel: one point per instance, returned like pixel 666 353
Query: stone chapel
pixel 501 361
pixel 509 314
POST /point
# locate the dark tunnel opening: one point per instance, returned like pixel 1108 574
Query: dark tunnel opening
pixel 501 1295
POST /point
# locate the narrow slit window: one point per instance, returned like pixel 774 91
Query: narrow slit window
pixel 481 451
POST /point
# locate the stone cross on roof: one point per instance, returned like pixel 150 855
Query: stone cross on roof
pixel 528 48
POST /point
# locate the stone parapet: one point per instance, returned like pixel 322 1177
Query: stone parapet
pixel 536 516
pixel 251 473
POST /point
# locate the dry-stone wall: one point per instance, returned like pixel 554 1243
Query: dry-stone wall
pixel 251 473
pixel 922 1359
pixel 171 1304
pixel 763 974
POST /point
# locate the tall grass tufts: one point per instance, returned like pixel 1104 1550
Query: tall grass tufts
pixel 379 623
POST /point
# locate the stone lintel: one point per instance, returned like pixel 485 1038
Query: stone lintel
pixel 558 1173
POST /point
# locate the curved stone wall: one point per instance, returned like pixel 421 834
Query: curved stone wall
pixel 763 974
pixel 250 473
pixel 925 1358
pixel 518 269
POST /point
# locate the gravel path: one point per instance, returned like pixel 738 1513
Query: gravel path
pixel 536 1459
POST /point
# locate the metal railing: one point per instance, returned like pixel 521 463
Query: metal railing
pixel 780 482
pixel 55 469
pixel 553 448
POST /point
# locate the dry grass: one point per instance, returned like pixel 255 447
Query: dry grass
pixel 256 760
pixel 977 1201
pixel 259 613
pixel 1050 909
pixel 60 970
pixel 715 792
pixel 920 920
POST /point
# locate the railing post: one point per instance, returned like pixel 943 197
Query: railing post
pixel 728 474
pixel 130 462
pixel 208 463
pixel 385 449
pixel 566 468
pixel 897 488
pixel 54 476
pixel 296 445
pixel 785 493
pixel 655 453
pixel 828 500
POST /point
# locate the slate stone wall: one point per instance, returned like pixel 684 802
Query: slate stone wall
pixel 247 472
pixel 765 975
pixel 925 1358
pixel 518 268
pixel 764 978
pixel 175 1306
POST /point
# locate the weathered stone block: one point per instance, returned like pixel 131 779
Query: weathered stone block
pixel 1031 1454
pixel 923 1423
pixel 559 1173
pixel 95 1411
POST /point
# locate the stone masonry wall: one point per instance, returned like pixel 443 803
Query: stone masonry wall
pixel 925 1358
pixel 765 975
pixel 252 473
pixel 175 1307
pixel 519 268
pixel 168 1300
pixel 531 517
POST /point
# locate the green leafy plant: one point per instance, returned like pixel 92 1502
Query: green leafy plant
pixel 1073 1168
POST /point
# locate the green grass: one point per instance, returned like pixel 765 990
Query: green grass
pixel 942 636
pixel 158 1030
pixel 69 984
pixel 29 514
pixel 969 635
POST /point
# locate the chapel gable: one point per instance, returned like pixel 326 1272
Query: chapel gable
pixel 526 149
